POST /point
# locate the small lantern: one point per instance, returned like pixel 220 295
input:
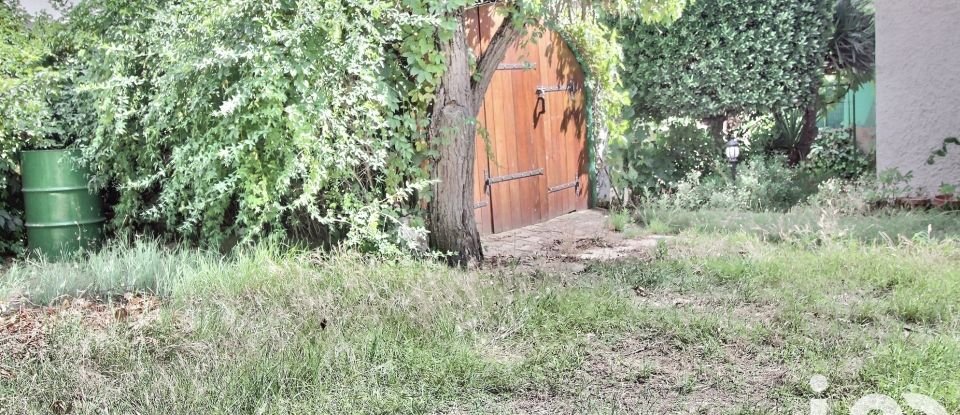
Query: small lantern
pixel 732 152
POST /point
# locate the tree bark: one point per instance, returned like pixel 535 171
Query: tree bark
pixel 810 131
pixel 452 225
pixel 453 228
pixel 505 37
pixel 715 126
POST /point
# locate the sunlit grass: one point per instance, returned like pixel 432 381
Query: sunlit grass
pixel 806 223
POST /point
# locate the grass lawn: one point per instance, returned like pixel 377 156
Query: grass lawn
pixel 809 224
pixel 713 321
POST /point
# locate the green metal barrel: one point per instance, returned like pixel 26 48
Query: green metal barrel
pixel 62 215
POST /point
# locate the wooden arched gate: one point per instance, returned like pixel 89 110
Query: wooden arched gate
pixel 531 160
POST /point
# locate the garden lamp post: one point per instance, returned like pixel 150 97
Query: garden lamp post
pixel 733 156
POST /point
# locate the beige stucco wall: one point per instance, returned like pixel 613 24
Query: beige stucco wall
pixel 37 6
pixel 918 88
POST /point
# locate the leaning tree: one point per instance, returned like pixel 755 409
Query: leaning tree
pixel 451 221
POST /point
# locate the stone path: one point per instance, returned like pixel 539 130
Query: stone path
pixel 582 235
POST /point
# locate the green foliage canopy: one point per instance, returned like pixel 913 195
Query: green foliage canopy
pixel 223 120
pixel 726 57
pixel 220 120
pixel 26 111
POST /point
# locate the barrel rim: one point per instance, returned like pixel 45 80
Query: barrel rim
pixel 51 150
pixel 65 224
pixel 60 189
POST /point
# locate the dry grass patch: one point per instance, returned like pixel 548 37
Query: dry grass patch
pixel 724 324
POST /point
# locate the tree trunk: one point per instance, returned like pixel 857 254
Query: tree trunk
pixel 810 131
pixel 453 227
pixel 715 126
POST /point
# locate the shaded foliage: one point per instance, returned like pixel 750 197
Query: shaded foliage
pixel 658 156
pixel 835 154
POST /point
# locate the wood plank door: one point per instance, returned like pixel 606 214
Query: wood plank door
pixel 482 206
pixel 564 119
pixel 531 142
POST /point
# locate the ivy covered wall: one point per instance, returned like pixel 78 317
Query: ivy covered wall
pixel 25 108
pixel 726 57
pixel 218 122
pixel 226 121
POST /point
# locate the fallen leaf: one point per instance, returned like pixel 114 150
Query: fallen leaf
pixel 60 407
pixel 120 313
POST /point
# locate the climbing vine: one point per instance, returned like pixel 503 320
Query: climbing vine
pixel 25 108
pixel 594 35
pixel 226 121
pixel 222 121
pixel 598 49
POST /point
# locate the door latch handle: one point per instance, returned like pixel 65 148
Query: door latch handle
pixel 543 90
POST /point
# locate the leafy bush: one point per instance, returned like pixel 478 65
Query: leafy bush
pixel 835 154
pixel 727 57
pixel 763 184
pixel 658 156
pixel 224 121
pixel 679 159
pixel 26 119
pixel 845 196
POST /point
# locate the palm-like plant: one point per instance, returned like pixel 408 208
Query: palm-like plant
pixel 851 47
pixel 851 55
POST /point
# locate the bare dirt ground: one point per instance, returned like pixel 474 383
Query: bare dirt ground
pixel 584 235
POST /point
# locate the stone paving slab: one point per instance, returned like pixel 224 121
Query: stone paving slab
pixel 584 235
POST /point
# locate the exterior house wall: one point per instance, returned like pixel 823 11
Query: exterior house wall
pixel 918 88
pixel 38 6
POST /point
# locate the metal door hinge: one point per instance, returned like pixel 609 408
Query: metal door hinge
pixel 575 185
pixel 514 176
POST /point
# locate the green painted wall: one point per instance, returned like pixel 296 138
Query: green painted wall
pixel 856 109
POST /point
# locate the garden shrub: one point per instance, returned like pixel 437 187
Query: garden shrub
pixel 223 121
pixel 763 184
pixel 657 156
pixel 835 154
pixel 847 197
pixel 756 63
pixel 727 57
pixel 26 114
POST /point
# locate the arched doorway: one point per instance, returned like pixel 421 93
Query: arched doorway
pixel 531 160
